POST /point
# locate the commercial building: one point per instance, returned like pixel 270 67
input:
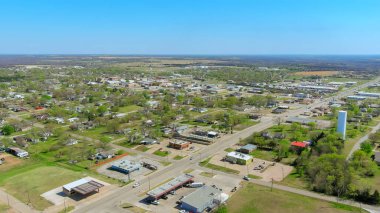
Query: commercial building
pixel 204 198
pixel 247 148
pixel 369 94
pixel 82 186
pixel 125 166
pixel 179 144
pixel 342 122
pixel 238 158
pixel 174 184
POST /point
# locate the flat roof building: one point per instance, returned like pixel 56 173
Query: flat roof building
pixel 125 166
pixel 238 158
pixel 170 186
pixel 202 199
pixel 247 148
pixel 179 144
pixel 82 186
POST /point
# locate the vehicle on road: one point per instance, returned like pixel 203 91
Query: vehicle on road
pixel 246 178
pixel 155 202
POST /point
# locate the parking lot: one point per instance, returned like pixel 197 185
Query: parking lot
pixel 135 175
pixel 267 170
pixel 226 183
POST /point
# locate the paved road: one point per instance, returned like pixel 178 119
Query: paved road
pixel 16 205
pixel 361 140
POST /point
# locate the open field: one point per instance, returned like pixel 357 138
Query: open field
pixel 254 199
pixel 29 185
pixel 3 208
pixel 317 73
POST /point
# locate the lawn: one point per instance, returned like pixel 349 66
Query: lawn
pixel 161 153
pixel 294 180
pixel 98 133
pixel 178 157
pixel 247 123
pixel 128 109
pixel 207 174
pixel 264 155
pixel 3 207
pixel 254 199
pixel 206 164
pixel 142 148
pixel 29 185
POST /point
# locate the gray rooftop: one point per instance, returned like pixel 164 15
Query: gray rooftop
pixel 180 180
pixel 300 120
pixel 202 197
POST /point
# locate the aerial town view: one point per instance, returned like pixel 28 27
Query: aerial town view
pixel 190 106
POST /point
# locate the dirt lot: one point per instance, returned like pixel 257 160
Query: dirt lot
pixel 136 175
pixel 277 172
pixel 10 162
pixel 317 73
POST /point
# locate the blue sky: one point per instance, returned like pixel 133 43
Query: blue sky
pixel 189 27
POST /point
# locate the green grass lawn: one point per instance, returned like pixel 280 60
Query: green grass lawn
pixel 229 150
pixel 3 207
pixel 99 132
pixel 206 164
pixel 29 185
pixel 247 123
pixel 128 109
pixel 255 199
pixel 262 154
pixel 178 157
pixel 142 148
pixel 294 180
pixel 161 153
pixel 207 174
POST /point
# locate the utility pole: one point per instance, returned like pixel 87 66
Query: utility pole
pixel 149 182
pixel 271 187
pixel 8 201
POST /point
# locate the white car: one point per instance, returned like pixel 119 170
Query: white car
pixel 136 185
pixel 155 202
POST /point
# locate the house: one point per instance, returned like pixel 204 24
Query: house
pixel 71 120
pixel 298 145
pixel 238 158
pixel 21 141
pixel 247 148
pixel 278 111
pixel 71 142
pixel 148 141
pixel 17 152
pixel 204 199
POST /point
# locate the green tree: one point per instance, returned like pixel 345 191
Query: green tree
pixel 8 129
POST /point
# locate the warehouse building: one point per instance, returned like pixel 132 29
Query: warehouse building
pixel 174 184
pixel 238 158
pixel 125 166
pixel 205 198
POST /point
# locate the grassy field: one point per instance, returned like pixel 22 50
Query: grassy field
pixel 128 109
pixel 316 73
pixel 161 153
pixel 142 148
pixel 178 157
pixel 294 180
pixel 29 185
pixel 3 207
pixel 254 199
pixel 206 164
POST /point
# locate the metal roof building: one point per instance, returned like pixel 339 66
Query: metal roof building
pixel 201 199
pixel 170 186
pixel 82 186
